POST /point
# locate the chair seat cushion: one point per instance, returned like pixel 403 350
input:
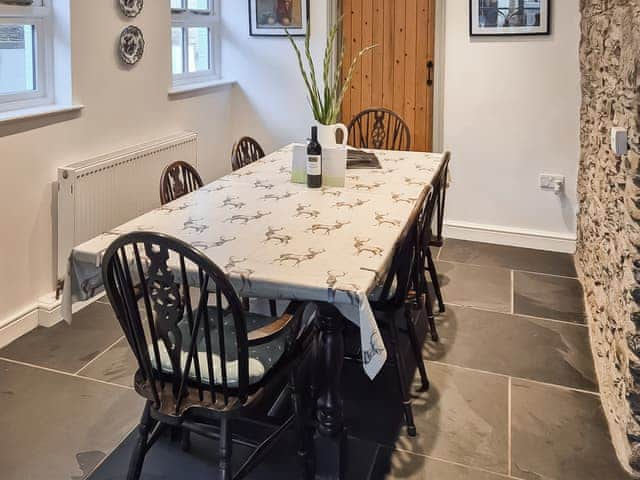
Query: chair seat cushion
pixel 261 358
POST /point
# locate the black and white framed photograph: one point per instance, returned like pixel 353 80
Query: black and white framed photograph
pixel 510 17
pixel 273 18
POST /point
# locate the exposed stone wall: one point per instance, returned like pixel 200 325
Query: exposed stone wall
pixel 609 220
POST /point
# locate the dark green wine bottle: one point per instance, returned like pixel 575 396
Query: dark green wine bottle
pixel 314 161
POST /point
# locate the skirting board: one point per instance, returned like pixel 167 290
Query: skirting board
pixel 47 312
pixel 18 326
pixel 513 237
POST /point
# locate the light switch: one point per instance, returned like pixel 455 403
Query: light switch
pixel 619 143
pixel 552 182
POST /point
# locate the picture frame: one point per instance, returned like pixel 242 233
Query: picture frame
pixel 271 18
pixel 493 18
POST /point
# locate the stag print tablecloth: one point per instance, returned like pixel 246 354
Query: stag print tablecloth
pixel 276 239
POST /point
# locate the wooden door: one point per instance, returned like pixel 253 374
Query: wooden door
pixel 398 74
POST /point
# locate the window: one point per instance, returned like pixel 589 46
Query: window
pixel 195 44
pixel 25 58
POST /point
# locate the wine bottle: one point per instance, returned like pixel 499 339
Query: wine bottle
pixel 314 161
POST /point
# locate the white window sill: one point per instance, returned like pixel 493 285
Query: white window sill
pixel 42 111
pixel 194 87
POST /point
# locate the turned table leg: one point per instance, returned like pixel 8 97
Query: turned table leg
pixel 330 436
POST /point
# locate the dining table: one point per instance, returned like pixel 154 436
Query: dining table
pixel 276 239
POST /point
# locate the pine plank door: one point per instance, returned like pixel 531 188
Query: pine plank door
pixel 398 74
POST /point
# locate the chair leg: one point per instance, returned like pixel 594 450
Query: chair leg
pixel 225 450
pixel 434 279
pixel 273 307
pixel 185 441
pixel 404 388
pixel 428 303
pixel 417 350
pixel 300 424
pixel 140 449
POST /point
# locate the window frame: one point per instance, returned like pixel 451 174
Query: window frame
pixel 185 18
pixel 41 18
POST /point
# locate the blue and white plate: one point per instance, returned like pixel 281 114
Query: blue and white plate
pixel 131 8
pixel 131 45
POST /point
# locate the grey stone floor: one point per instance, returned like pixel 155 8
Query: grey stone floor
pixel 513 395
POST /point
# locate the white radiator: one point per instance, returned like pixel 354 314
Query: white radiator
pixel 97 195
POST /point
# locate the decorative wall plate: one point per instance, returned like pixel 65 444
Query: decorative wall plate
pixel 131 8
pixel 131 45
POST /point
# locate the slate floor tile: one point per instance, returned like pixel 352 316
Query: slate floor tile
pixel 459 401
pixel 68 347
pixel 531 348
pixel 482 287
pixel 400 465
pixel 560 434
pixel 551 297
pixel 514 258
pixel 166 461
pixel 117 365
pixel 57 426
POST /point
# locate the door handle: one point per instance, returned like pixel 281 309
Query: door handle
pixel 430 72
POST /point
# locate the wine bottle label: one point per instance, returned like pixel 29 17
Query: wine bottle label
pixel 314 165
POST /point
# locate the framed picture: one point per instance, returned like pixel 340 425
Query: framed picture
pixel 270 18
pixel 509 17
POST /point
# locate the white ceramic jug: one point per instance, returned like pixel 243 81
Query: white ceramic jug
pixel 327 135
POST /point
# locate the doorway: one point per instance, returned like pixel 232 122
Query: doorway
pixel 400 73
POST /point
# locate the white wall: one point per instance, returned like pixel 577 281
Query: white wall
pixel 123 107
pixel 270 102
pixel 511 112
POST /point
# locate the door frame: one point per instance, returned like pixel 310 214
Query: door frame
pixel 333 9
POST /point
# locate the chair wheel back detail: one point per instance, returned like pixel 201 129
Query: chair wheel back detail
pixel 178 179
pixel 160 290
pixel 381 129
pixel 198 364
pixel 245 151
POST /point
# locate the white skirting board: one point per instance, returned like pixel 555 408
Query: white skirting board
pixel 47 312
pixel 514 237
pixel 21 324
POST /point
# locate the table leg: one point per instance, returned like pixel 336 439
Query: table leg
pixel 330 438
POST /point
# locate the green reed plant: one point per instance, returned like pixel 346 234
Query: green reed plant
pixel 326 100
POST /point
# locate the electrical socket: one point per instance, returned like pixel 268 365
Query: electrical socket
pixel 551 182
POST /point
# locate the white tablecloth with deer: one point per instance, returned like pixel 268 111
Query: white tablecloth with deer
pixel 276 239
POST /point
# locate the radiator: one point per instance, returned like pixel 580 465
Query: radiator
pixel 97 195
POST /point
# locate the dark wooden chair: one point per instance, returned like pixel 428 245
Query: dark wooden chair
pixel 424 262
pixel 391 298
pixel 381 129
pixel 441 184
pixel 244 152
pixel 177 180
pixel 200 366
pixel 434 213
